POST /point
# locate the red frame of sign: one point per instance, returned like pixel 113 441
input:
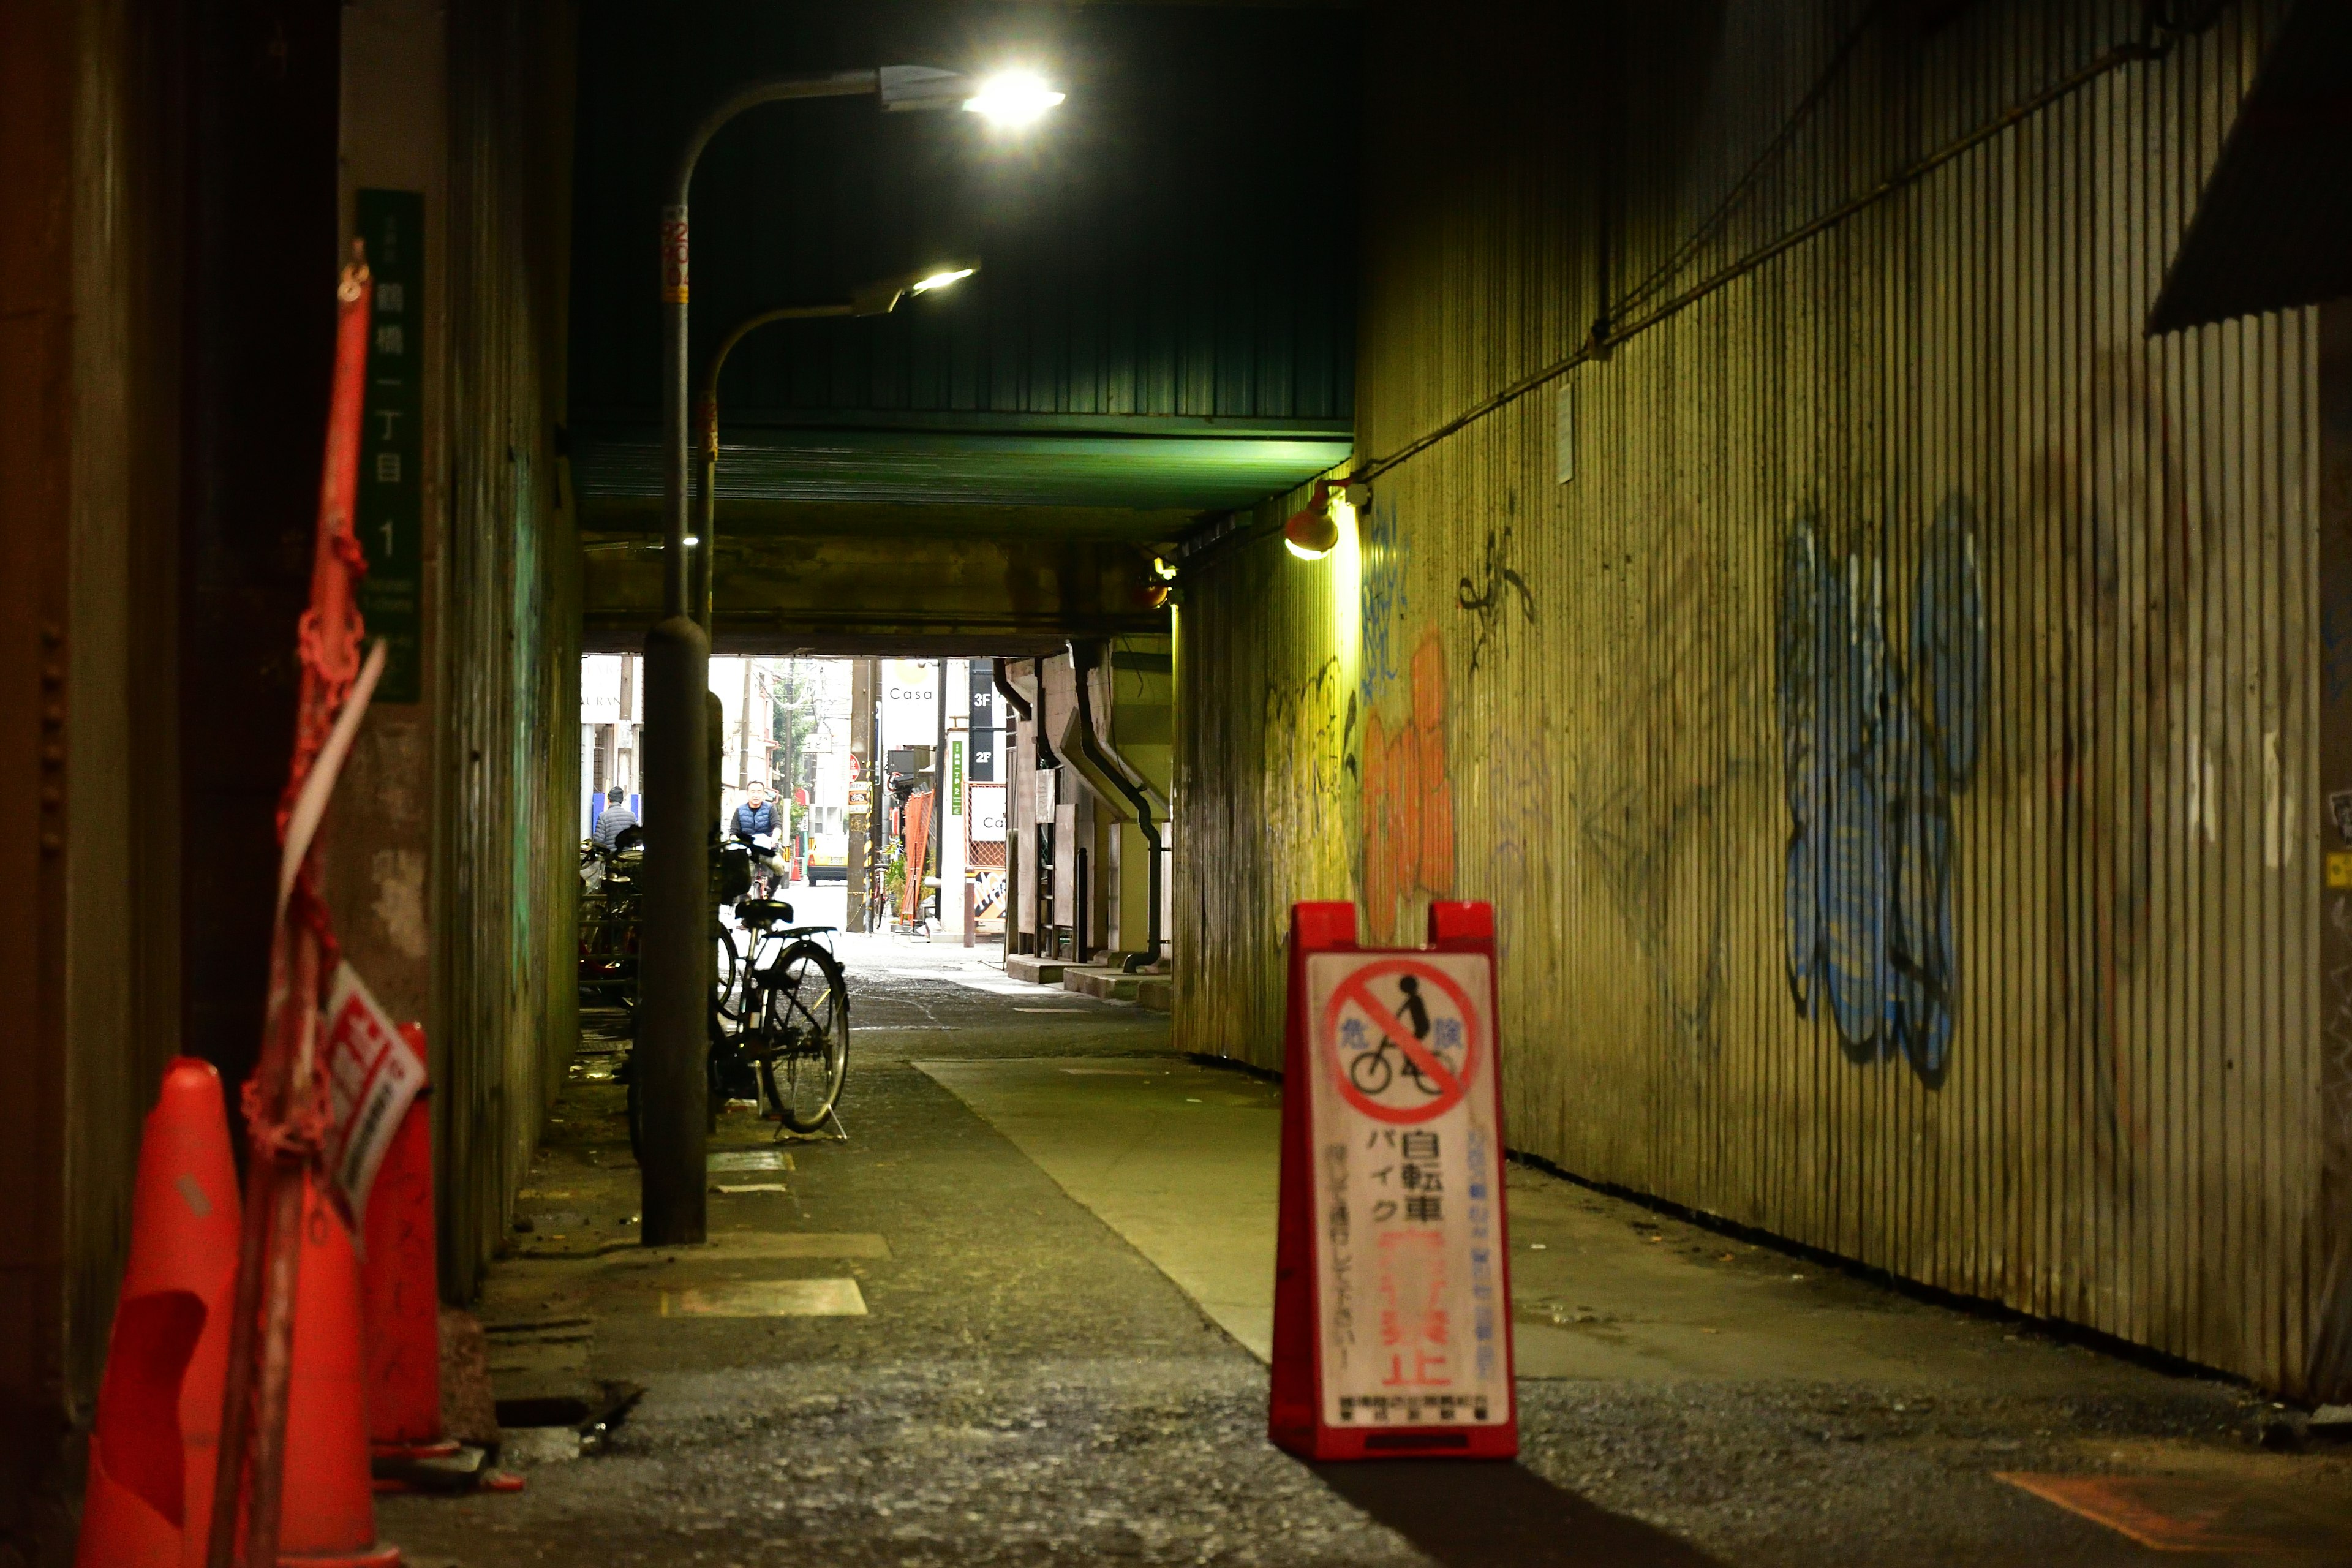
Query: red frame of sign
pixel 1295 1416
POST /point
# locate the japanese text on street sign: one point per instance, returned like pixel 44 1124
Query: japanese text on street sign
pixel 1408 1190
pixel 372 1077
pixel 391 517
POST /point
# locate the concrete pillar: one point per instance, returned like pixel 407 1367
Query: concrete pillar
pixel 674 940
pixel 394 107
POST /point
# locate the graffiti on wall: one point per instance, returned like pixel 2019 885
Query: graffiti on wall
pixel 1381 601
pixel 1874 747
pixel 1309 731
pixel 1485 599
pixel 1408 793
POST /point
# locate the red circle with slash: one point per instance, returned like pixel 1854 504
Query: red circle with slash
pixel 1357 988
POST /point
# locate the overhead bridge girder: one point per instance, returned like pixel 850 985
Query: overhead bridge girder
pixel 883 593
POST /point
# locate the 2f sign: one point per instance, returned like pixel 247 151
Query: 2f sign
pixel 1392 1299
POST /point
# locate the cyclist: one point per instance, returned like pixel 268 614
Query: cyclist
pixel 756 824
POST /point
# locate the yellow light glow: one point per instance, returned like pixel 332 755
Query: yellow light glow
pixel 1013 97
pixel 940 280
pixel 1304 554
pixel 1346 582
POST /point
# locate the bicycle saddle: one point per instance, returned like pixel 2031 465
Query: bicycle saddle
pixel 763 912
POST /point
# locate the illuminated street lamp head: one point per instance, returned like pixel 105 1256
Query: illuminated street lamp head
pixel 1313 531
pixel 882 298
pixel 1013 97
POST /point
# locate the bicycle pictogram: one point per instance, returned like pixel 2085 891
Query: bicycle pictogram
pixel 1402 1039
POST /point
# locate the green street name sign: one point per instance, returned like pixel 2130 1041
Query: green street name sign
pixel 391 523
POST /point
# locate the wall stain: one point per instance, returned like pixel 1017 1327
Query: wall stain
pixel 1649 795
pixel 1408 796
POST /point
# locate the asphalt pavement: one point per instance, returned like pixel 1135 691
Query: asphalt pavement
pixel 1019 1317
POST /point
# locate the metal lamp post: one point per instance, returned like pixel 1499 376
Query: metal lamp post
pixel 874 300
pixel 674 954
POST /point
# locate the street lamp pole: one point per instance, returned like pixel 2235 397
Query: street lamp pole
pixel 704 541
pixel 674 935
pixel 874 300
pixel 674 938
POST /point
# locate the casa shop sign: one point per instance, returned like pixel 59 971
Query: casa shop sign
pixel 1392 1296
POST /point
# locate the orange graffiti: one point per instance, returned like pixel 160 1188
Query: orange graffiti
pixel 1408 796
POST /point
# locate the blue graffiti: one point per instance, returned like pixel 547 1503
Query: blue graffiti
pixel 1873 748
pixel 1380 600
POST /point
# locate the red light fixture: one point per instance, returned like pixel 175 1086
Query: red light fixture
pixel 1311 534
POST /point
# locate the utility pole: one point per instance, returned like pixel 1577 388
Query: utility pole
pixel 743 736
pixel 938 851
pixel 864 791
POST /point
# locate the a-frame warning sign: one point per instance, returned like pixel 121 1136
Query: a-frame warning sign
pixel 1392 1298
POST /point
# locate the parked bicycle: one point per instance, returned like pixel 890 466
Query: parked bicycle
pixel 790 1048
pixel 608 921
pixel 779 1021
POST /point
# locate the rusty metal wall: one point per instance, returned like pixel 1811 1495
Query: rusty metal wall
pixel 1892 753
pixel 93 224
pixel 506 884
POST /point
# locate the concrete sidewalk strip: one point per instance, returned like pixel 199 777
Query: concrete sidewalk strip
pixel 1180 1160
pixel 767 1299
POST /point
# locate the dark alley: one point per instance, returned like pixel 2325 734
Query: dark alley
pixel 1244 782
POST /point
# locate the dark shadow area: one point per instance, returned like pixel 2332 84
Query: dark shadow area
pixel 1485 1515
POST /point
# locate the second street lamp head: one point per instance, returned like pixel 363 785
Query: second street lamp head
pixel 879 298
pixel 1013 97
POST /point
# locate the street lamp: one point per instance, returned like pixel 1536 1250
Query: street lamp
pixel 674 954
pixel 1314 529
pixel 876 298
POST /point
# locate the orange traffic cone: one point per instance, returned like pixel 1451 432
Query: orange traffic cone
pixel 402 1279
pixel 327 1517
pixel 150 1492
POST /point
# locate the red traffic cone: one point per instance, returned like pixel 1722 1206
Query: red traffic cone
pixel 402 1285
pixel 327 1517
pixel 151 1457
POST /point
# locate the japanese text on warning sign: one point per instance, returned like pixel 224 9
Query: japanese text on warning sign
pixel 1408 1179
pixel 372 1077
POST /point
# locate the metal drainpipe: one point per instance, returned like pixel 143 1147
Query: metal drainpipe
pixel 1115 768
pixel 1018 707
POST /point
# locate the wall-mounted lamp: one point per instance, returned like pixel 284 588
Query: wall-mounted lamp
pixel 1314 529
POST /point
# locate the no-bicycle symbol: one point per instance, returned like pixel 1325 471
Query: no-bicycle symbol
pixel 1402 1039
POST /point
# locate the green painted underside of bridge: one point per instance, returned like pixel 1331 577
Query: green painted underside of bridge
pixel 1154 464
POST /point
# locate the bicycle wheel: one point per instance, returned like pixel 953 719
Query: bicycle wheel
pixel 726 976
pixel 804 1035
pixel 1370 1072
